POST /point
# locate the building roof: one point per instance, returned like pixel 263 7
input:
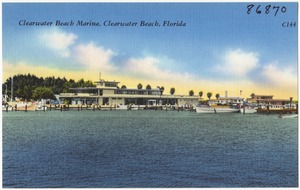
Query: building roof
pixel 263 95
pixel 84 88
pixel 268 100
pixel 127 89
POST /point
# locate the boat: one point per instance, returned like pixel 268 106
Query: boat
pixel 122 107
pixel 248 109
pixel 287 116
pixel 7 108
pixel 40 106
pixel 222 109
pixel 137 107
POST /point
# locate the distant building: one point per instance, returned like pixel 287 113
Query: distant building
pixel 267 100
pixel 108 93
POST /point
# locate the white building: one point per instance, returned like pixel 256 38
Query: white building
pixel 108 93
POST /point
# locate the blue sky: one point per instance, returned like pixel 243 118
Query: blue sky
pixel 220 48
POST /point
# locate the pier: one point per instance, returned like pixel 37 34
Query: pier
pixel 94 107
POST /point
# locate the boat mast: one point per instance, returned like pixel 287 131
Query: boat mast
pixel 12 89
pixel 6 93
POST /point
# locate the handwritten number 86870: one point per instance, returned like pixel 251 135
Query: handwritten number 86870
pixel 267 9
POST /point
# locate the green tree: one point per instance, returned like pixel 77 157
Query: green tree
pixel 139 86
pixel 123 87
pixel 191 93
pixel 200 94
pixel 148 87
pixel 252 95
pixel 217 96
pixel 161 89
pixel 172 91
pixel 42 93
pixel 209 94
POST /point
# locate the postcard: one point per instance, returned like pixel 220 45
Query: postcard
pixel 150 95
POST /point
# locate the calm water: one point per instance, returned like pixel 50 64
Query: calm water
pixel 148 149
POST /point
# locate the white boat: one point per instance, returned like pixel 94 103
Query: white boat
pixel 7 108
pixel 122 107
pixel 137 107
pixel 248 110
pixel 207 109
pixel 40 106
pixel 288 116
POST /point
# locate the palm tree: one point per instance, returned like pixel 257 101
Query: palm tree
pixel 172 91
pixel 123 87
pixel 209 94
pixel 148 87
pixel 191 93
pixel 252 95
pixel 162 89
pixel 200 94
pixel 217 96
pixel 139 86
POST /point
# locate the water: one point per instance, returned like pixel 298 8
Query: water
pixel 148 149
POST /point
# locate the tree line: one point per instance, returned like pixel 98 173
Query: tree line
pixel 30 87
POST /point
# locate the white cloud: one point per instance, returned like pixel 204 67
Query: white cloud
pixel 94 57
pixel 59 41
pixel 148 67
pixel 238 63
pixel 280 77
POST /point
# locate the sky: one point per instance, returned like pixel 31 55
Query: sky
pixel 220 47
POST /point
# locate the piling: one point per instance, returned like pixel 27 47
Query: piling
pixel 61 108
pixel 215 110
pixel 244 110
pixel 115 107
pixel 50 107
pixel 25 108
pixel 93 107
pixel 16 107
pixel 6 108
pixel 81 107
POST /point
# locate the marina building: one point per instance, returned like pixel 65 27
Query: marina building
pixel 108 93
pixel 267 100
